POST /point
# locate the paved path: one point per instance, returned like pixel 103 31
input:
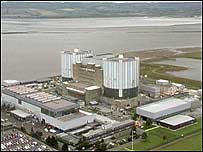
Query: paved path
pixel 151 128
pixel 175 141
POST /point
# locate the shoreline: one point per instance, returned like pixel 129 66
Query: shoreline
pixel 115 16
pixel 162 53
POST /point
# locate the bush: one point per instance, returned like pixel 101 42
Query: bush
pixel 144 135
pixel 164 137
pixel 100 145
pixel 48 140
pixel 83 143
pixel 23 129
pixel 65 147
pixel 148 122
pixel 134 116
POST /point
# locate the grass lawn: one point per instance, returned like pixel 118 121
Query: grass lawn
pixel 191 143
pixel 193 55
pixel 155 136
pixel 147 127
pixel 158 71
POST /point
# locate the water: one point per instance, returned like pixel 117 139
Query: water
pixel 194 66
pixel 34 52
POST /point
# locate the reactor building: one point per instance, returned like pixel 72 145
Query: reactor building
pixel 117 76
pixel 121 77
pixel 68 58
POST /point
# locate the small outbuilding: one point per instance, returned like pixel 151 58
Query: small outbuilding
pixel 177 121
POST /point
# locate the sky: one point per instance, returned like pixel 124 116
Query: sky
pixel 112 1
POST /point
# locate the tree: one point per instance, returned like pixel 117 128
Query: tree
pixel 65 147
pixel 23 129
pixel 82 143
pixel 103 147
pixel 144 135
pixel 148 122
pixel 54 142
pixel 164 137
pixel 48 140
pixel 32 131
pixel 134 128
pixel 134 116
pixel 38 134
pixel 100 145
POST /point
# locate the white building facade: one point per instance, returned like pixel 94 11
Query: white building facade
pixel 68 58
pixel 121 76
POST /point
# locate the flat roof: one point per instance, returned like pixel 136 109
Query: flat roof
pixel 21 89
pixel 80 86
pixel 72 121
pixel 177 119
pixel 107 127
pixel 103 109
pixel 11 81
pixel 77 52
pixel 60 104
pixel 163 104
pixel 20 113
pixel 92 88
pixel 40 99
pixel 71 116
pixel 93 102
pixel 123 59
pixel 177 84
pixel 162 80
pixel 69 137
pixel 80 130
pixel 75 90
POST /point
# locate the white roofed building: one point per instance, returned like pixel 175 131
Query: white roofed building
pixel 163 108
pixel 177 121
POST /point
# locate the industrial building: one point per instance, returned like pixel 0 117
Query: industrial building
pixel 162 82
pixel 90 72
pixel 177 121
pixel 118 77
pixel 163 108
pixel 121 77
pixel 68 58
pixel 81 90
pixel 115 129
pixel 56 111
pixel 150 90
pixel 20 115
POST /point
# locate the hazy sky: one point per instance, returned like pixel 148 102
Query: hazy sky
pixel 113 1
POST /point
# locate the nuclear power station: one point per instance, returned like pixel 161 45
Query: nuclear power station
pixel 116 75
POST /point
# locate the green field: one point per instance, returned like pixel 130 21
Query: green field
pixel 158 71
pixel 193 55
pixel 191 143
pixel 155 136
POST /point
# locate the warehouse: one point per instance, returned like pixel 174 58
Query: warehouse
pixel 49 108
pixel 177 121
pixel 163 108
pixel 115 129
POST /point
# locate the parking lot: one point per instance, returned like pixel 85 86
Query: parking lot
pixel 31 123
pixel 15 140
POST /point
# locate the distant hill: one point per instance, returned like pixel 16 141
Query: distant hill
pixel 97 9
